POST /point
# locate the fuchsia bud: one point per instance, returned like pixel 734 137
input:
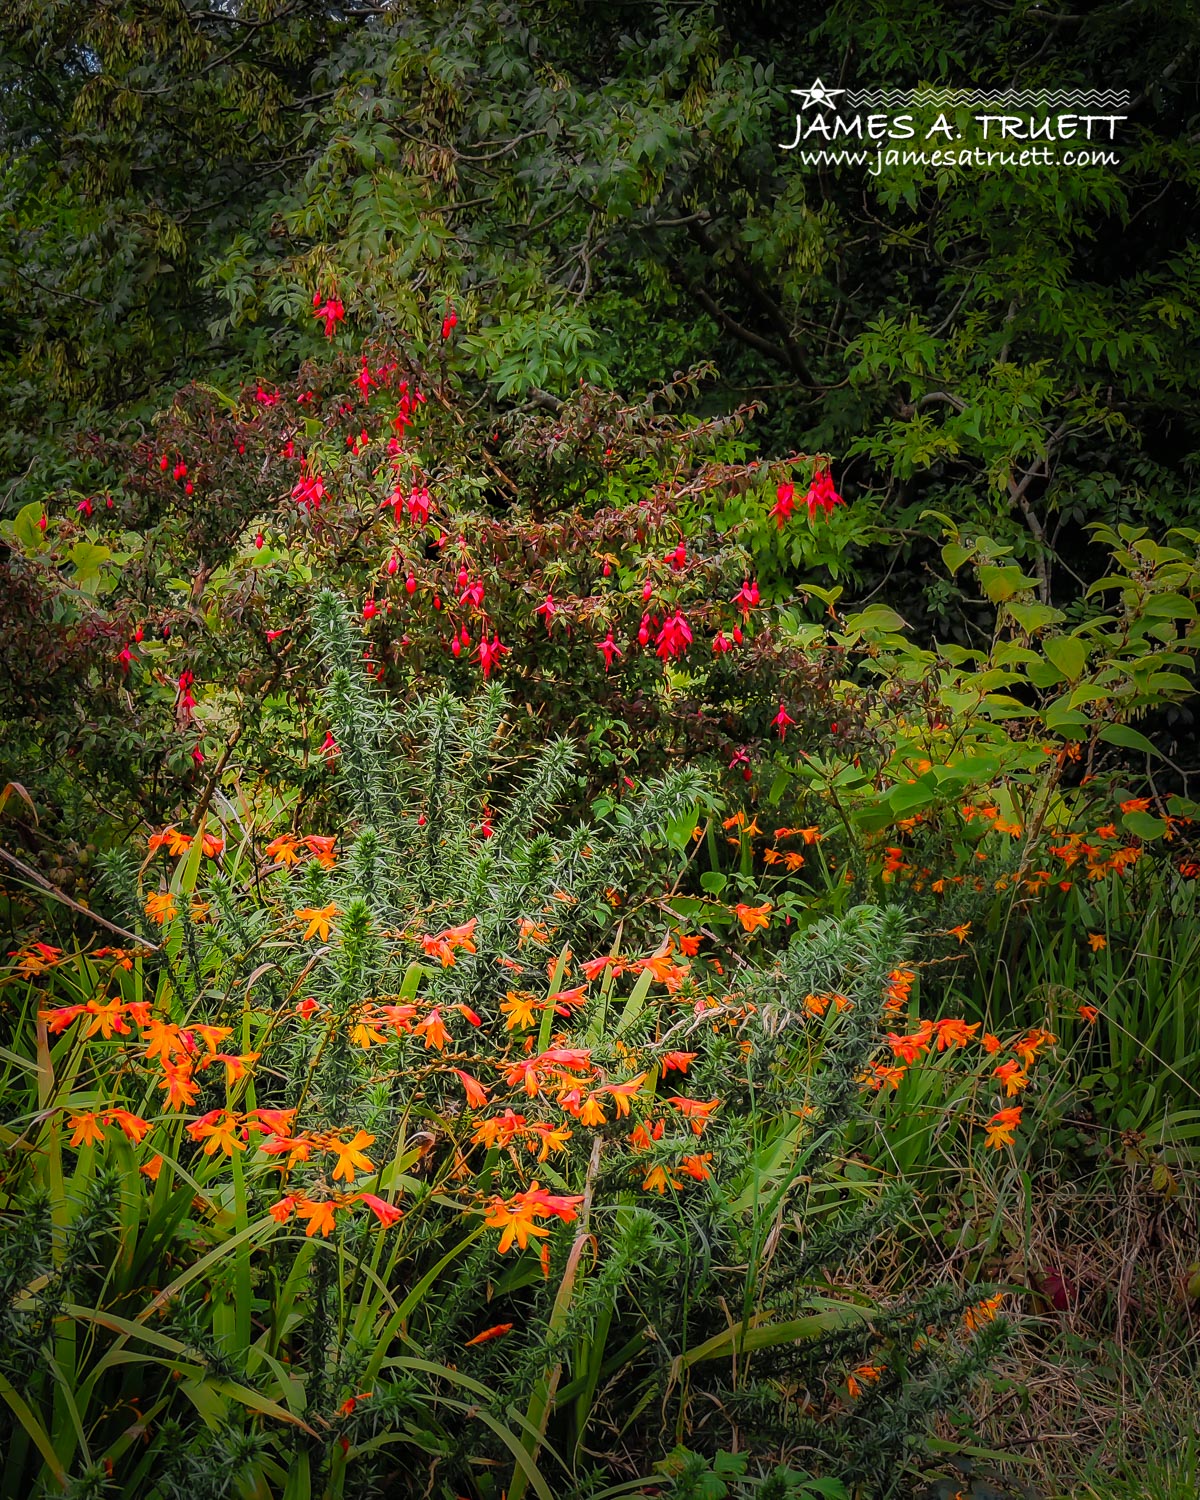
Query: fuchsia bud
pixel 410 586
pixel 393 566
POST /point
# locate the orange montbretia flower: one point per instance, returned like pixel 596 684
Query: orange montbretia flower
pixel 677 1060
pixel 133 1127
pixel 899 987
pixel 752 917
pixel 177 1081
pixel 433 1030
pixel 387 1213
pixel 696 1112
pixel 1002 1127
pixel 953 1033
pixel 219 1131
pixel 982 1313
pixel 350 1154
pixel 285 849
pixel 1028 1046
pixel 171 839
pixel 658 1180
pixel 476 1092
pixel 1012 1076
pixel 36 959
pixel 862 1375
pixel 319 919
pixel 161 908
pixel 914 1045
pixel 515 1217
pixel 322 848
pixel 212 1036
pixel 85 1129
pixel 237 1065
pixel 488 1334
pixel 519 1008
pixel 318 1214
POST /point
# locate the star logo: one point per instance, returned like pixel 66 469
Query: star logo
pixel 817 93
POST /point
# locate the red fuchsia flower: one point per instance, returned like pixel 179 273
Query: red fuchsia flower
pixel 370 609
pixel 264 397
pixel 330 748
pixel 722 643
pixel 472 593
pixel 737 635
pixel 547 609
pixel 678 557
pixel 674 638
pixel 410 585
pixel 43 522
pixel 821 493
pixel 85 508
pixel 747 597
pixel 258 540
pixel 610 649
pixel 164 463
pixel 781 720
pixel 449 323
pixel 392 566
pixel 364 380
pixel 644 631
pixel 489 654
pixel 309 491
pixel 331 312
pixel 198 755
pixel 785 504
pixel 417 504
pixel 125 657
pixel 289 449
pixel 179 471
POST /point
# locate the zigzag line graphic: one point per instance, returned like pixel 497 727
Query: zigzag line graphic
pixel 957 98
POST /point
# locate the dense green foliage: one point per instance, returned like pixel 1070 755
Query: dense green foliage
pixel 404 405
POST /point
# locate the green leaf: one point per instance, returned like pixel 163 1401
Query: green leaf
pixel 1001 583
pixel 1068 653
pixel 1031 617
pixel 954 554
pixel 1144 825
pixel 1127 738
